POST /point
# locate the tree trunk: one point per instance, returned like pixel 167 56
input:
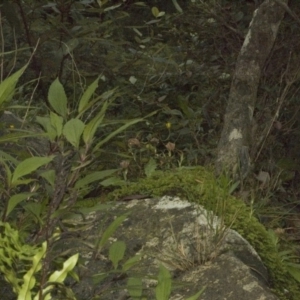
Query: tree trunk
pixel 234 145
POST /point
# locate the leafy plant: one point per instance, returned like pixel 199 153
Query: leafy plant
pixel 116 255
pixel 290 260
pixel 22 263
pixel 43 190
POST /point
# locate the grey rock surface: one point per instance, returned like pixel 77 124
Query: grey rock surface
pixel 190 242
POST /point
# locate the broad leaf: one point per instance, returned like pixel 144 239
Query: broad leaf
pixel 57 122
pixel 117 131
pixel 8 85
pixel 73 130
pixel 91 127
pixel 68 265
pixel 15 200
pixel 35 208
pixel 116 252
pixel 14 137
pixel 103 97
pixel 83 102
pixel 294 271
pixel 163 288
pixel 49 175
pixel 150 167
pixel 135 287
pixel 22 182
pixel 7 173
pixel 155 11
pixel 7 157
pixel 111 229
pixel 95 176
pixel 120 129
pixel 57 98
pixel 28 166
pixel 130 262
pixel 45 122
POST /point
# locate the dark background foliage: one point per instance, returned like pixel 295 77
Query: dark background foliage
pixel 180 64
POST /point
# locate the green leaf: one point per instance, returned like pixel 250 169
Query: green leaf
pixel 155 11
pixel 8 173
pixel 108 94
pixel 15 200
pixel 150 167
pixel 8 85
pixel 117 131
pixel 130 262
pixel 122 128
pixel 178 8
pixel 116 252
pixel 73 130
pixel 183 104
pixel 57 122
pixel 91 127
pixel 95 176
pixel 35 208
pixel 45 122
pixel 57 98
pixel 234 186
pixel 105 96
pixel 97 278
pixel 68 265
pixel 111 229
pixel 49 175
pixel 14 137
pixel 28 166
pixel 196 296
pixel 22 182
pixel 294 272
pixel 7 157
pixel 60 276
pixel 135 287
pixel 163 288
pixel 84 101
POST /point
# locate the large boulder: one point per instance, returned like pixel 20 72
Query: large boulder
pixel 196 247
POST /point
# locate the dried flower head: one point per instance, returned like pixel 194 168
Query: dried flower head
pixel 170 146
pixel 154 141
pixel 133 142
pixel 124 164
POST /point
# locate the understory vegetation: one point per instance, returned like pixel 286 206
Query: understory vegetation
pixel 96 95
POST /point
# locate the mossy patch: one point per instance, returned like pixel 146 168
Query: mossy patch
pixel 199 185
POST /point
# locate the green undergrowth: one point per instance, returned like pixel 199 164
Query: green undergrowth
pixel 200 186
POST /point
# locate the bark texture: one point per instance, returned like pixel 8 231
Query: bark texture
pixel 236 138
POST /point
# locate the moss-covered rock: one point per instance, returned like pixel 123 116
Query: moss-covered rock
pixel 200 186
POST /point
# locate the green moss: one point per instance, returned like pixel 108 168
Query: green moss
pixel 200 186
